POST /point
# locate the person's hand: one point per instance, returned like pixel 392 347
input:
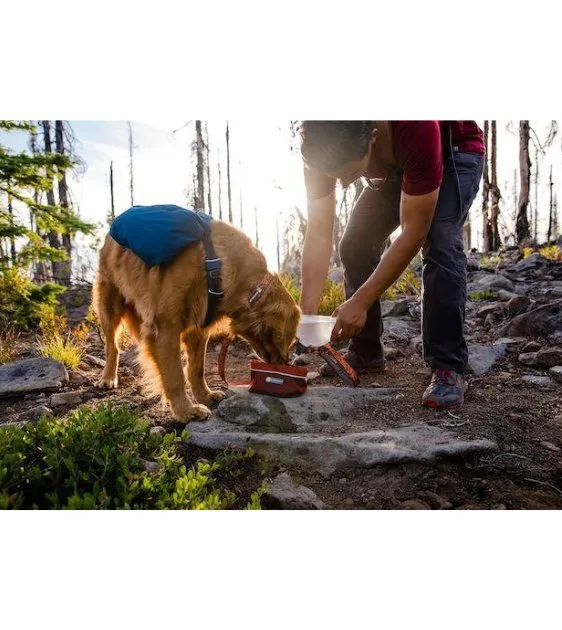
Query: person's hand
pixel 350 320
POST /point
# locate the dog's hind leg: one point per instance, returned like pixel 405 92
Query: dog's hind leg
pixel 110 306
pixel 163 345
pixel 195 344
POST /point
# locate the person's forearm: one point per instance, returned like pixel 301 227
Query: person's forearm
pixel 392 265
pixel 316 253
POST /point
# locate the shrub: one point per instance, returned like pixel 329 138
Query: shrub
pixel 97 459
pixel 7 345
pixel 482 295
pixel 22 301
pixel 66 349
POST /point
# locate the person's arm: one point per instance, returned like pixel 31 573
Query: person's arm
pixel 416 214
pixel 316 251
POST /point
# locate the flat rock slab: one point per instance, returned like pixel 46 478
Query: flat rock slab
pixel 481 359
pixel 326 455
pixel 316 408
pixel 31 375
pixel 285 495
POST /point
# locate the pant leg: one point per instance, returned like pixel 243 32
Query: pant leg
pixel 374 217
pixel 444 265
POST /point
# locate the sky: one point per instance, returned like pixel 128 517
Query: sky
pixel 265 174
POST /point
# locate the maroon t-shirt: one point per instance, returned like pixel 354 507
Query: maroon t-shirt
pixel 418 147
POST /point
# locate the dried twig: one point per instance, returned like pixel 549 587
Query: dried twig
pixel 544 483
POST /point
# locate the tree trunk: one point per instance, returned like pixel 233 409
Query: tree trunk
pixel 131 170
pixel 200 166
pixel 208 167
pixel 220 187
pixel 555 222
pixel 12 240
pixel 522 224
pixel 536 215
pixel 485 193
pixel 550 209
pixel 495 240
pixel 112 211
pixel 228 173
pixel 63 200
pixel 58 267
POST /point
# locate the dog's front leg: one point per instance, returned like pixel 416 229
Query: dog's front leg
pixel 195 343
pixel 165 350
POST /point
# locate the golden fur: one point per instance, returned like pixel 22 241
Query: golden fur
pixel 165 306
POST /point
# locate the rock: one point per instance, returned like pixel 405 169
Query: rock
pixel 491 281
pixel 490 309
pixel 543 382
pixel 312 376
pixel 31 375
pixel 505 296
pixel 66 398
pixel 349 502
pixel 510 342
pixel 517 305
pixel 395 308
pixel 554 293
pixel 95 361
pixel 414 504
pixel 149 466
pixel 302 359
pixel 283 494
pixel 436 501
pixel 549 357
pixel 473 260
pixel 416 343
pixel 36 413
pixel 556 373
pixel 481 359
pixel 550 447
pixel 129 359
pixel 392 353
pixel 317 407
pixel 527 358
pixel 532 346
pixel 77 378
pixel 400 329
pixel 158 429
pixel 10 411
pixel 534 261
pixel 544 321
pixel 325 454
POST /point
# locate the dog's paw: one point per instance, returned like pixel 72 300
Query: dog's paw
pixel 195 412
pixel 211 397
pixel 107 383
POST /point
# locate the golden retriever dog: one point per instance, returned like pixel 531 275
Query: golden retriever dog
pixel 164 307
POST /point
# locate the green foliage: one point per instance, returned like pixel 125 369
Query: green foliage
pixel 552 252
pixel 476 296
pixel 97 459
pixel 66 349
pixel 490 261
pixel 7 345
pixel 22 302
pixel 407 284
pixel 332 296
pixel 21 176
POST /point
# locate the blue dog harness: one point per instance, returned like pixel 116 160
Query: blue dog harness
pixel 157 234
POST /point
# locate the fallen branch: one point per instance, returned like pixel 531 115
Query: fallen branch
pixel 544 483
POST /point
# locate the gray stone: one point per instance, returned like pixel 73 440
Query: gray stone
pixel 550 447
pixel 493 281
pixel 549 357
pixel 534 261
pixel 531 346
pixel 543 382
pixel 66 398
pixel 77 378
pixel 149 466
pixel 436 501
pixel 395 308
pixel 36 413
pixel 400 329
pixel 518 304
pixel 10 411
pixel 129 358
pixel 544 321
pixel 302 359
pixel 481 359
pixel 95 361
pixel 31 375
pixel 556 373
pixel 490 309
pixel 326 455
pixel 315 408
pixel 416 343
pixel 510 342
pixel 283 494
pixel 312 376
pixel 158 429
pixel 505 296
pixel 414 504
pixel 527 358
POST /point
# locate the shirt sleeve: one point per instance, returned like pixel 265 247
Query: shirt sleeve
pixel 317 184
pixel 417 148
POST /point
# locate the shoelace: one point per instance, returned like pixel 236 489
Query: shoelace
pixel 445 377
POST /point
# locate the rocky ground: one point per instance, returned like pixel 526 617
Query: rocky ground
pixel 375 447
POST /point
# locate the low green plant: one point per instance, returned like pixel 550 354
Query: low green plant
pixel 97 459
pixel 476 296
pixel 64 348
pixel 490 261
pixel 407 284
pixel 22 301
pixel 8 340
pixel 552 252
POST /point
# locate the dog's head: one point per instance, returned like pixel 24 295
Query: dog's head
pixel 270 323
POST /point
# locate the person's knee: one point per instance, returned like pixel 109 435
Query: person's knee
pixel 444 245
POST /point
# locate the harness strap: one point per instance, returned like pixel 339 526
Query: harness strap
pixel 213 265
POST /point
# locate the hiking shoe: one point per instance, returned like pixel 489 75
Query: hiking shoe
pixel 358 363
pixel 447 389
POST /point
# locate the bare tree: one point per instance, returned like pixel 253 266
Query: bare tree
pixel 64 202
pixel 112 211
pixel 199 144
pixel 220 186
pixel 131 169
pixel 522 222
pixel 228 173
pixel 486 191
pixel 494 240
pixel 208 167
pixel 58 267
pixel 551 208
